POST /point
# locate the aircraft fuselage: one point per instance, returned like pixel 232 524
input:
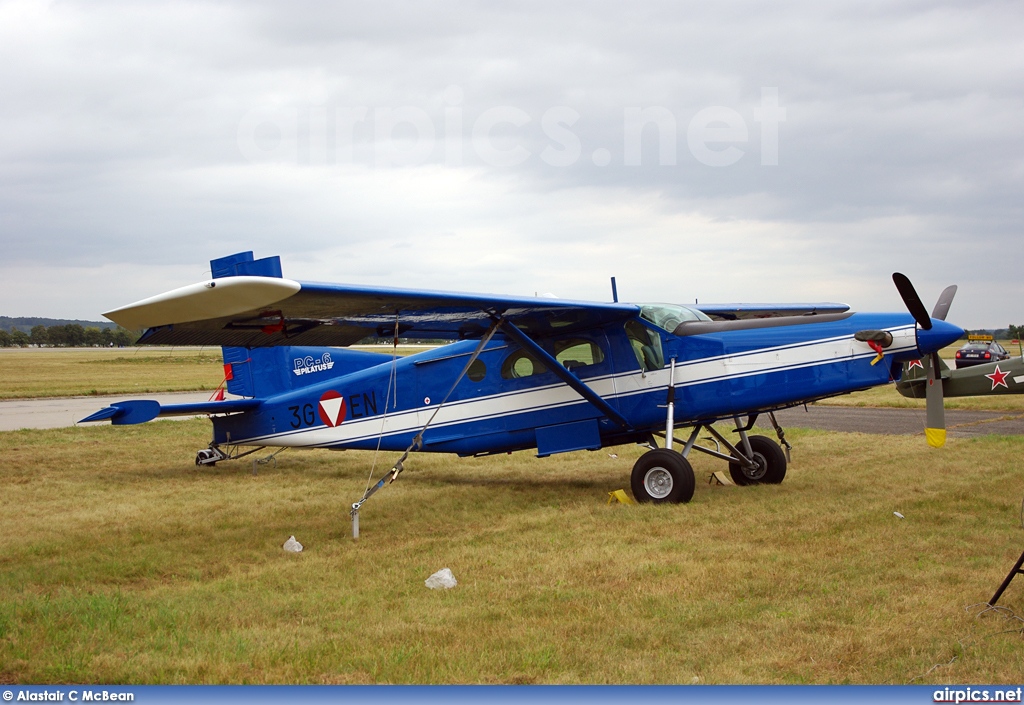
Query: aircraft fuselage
pixel 508 400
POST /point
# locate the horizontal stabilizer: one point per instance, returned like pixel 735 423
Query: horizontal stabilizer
pixel 216 298
pixel 137 411
pixel 101 415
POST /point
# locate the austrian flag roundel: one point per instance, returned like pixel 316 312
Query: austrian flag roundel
pixel 332 408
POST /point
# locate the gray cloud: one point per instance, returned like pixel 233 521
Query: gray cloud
pixel 147 139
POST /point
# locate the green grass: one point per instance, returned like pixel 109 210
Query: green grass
pixel 56 372
pixel 120 561
pixel 66 372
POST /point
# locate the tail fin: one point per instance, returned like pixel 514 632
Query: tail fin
pixel 263 372
pixel 913 380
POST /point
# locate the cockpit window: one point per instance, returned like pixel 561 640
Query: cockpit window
pixel 646 346
pixel 668 316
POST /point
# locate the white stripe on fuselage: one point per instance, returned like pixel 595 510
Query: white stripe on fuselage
pixel 622 385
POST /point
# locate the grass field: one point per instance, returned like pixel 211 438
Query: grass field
pixel 66 372
pixel 124 563
pixel 121 562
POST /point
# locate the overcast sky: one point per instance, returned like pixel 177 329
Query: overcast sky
pixel 742 151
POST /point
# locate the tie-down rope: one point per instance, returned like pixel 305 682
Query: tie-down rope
pixel 417 441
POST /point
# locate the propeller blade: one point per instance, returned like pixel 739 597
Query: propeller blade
pixel 935 424
pixel 942 305
pixel 912 301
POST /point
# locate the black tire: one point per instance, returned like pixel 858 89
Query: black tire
pixel 771 464
pixel 661 476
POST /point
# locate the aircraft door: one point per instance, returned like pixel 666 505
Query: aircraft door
pixel 639 369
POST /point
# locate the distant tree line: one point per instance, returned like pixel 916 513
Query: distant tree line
pixel 1011 332
pixel 71 335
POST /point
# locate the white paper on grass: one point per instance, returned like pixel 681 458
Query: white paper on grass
pixel 292 546
pixel 441 579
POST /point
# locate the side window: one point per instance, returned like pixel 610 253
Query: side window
pixel 477 371
pixel 578 352
pixel 646 346
pixel 520 364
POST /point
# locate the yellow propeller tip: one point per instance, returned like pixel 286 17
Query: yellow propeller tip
pixel 936 437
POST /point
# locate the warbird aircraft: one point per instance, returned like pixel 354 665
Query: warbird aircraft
pixel 991 379
pixel 522 373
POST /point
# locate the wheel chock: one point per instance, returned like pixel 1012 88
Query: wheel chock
pixel 719 478
pixel 620 496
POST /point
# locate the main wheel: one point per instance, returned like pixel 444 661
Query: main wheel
pixel 770 461
pixel 662 475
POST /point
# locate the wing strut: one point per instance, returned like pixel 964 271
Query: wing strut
pixel 565 375
pixel 417 441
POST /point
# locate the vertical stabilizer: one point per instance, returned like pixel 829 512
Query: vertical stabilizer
pixel 263 372
pixel 243 264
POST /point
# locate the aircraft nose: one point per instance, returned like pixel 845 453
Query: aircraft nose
pixel 939 336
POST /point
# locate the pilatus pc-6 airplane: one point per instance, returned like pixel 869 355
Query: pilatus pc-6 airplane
pixel 520 373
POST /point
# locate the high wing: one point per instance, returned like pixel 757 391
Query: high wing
pixel 734 312
pixel 263 311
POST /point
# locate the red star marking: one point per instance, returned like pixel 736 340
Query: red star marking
pixel 915 363
pixel 998 378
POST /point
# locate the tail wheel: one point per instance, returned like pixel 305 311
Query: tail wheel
pixel 210 456
pixel 661 476
pixel 770 463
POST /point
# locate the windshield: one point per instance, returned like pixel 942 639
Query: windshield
pixel 668 316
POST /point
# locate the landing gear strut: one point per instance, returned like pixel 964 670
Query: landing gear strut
pixel 215 453
pixel 754 460
pixel 661 474
pixel 769 464
pixel 664 475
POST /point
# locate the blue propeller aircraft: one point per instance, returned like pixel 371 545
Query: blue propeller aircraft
pixel 522 373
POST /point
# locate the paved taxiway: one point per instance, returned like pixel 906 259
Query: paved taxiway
pixel 57 413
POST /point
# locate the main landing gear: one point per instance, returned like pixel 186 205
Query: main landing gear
pixel 665 475
pixel 662 475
